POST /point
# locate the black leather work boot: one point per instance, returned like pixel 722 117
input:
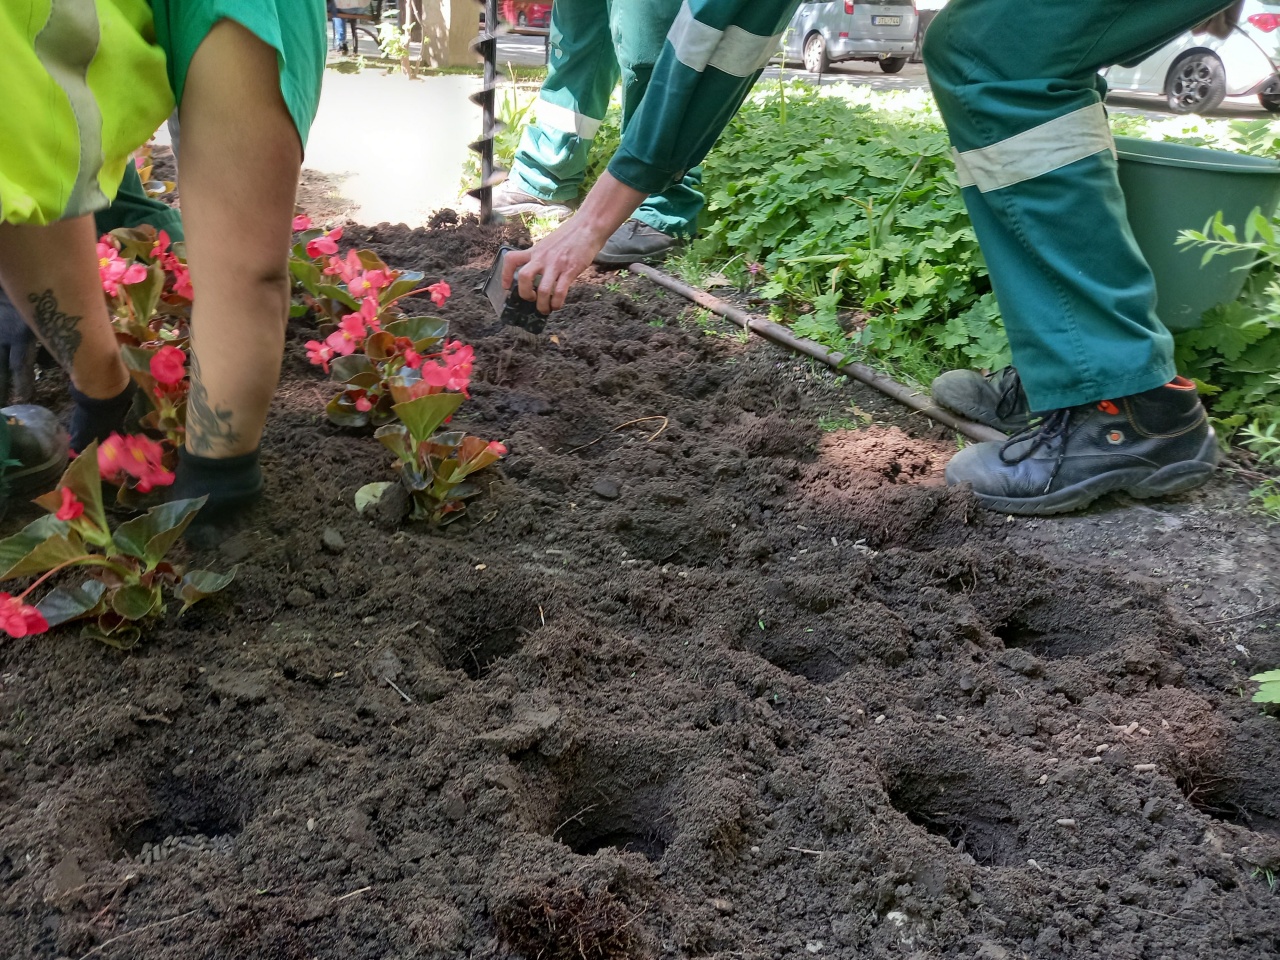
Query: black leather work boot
pixel 1150 444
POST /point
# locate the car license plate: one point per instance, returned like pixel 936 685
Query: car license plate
pixel 886 21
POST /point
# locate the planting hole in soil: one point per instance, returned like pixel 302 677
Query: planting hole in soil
pixel 690 678
pixel 956 794
pixel 197 812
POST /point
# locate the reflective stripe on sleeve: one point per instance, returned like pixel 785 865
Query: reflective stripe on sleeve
pixel 65 46
pixel 734 51
pixel 1035 152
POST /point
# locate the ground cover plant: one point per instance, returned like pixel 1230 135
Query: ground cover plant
pixel 755 684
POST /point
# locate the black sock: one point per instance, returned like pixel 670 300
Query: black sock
pixel 96 419
pixel 230 483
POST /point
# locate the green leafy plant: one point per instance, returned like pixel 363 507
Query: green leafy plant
pixel 849 210
pixel 1235 353
pixel 128 575
pixel 368 341
pixel 432 465
pixel 149 295
pixel 1269 687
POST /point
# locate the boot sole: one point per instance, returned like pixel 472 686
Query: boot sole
pixel 626 259
pixel 1140 483
pixel 38 478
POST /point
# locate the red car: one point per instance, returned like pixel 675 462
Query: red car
pixel 526 13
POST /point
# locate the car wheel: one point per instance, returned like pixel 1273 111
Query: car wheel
pixel 521 19
pixel 1196 84
pixel 1269 96
pixel 815 54
pixel 893 64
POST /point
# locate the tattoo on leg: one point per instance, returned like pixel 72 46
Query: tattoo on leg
pixel 206 425
pixel 60 331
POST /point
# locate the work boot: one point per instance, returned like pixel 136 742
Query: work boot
pixel 96 419
pixel 996 399
pixel 38 447
pixel 511 202
pixel 635 242
pixel 232 484
pixel 1149 444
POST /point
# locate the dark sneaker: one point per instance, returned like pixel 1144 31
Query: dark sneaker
pixel 996 399
pixel 1147 445
pixel 38 446
pixel 510 202
pixel 635 242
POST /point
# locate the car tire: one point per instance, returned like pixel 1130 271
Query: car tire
pixel 815 54
pixel 1197 83
pixel 893 64
pixel 1269 96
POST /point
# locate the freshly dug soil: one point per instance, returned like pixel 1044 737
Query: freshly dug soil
pixel 717 668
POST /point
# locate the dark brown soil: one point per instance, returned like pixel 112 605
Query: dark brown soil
pixel 699 678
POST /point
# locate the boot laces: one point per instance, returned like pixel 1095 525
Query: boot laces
pixel 1052 428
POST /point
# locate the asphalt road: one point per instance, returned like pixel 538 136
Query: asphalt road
pixel 530 51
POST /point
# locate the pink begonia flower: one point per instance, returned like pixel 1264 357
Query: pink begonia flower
pixel 71 506
pixel 363 404
pixel 114 271
pixel 168 365
pixel 19 619
pixel 301 222
pixel 369 310
pixel 133 456
pixel 320 354
pixel 325 244
pixel 160 249
pixel 458 359
pixel 412 359
pixel 497 449
pixel 434 375
pixel 440 292
pixel 369 283
pixel 182 281
pixel 345 268
pixel 349 335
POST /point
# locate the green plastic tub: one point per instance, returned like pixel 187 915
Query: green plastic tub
pixel 1169 187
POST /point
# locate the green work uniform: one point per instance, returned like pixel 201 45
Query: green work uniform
pixel 593 43
pixel 296 29
pixel 1018 87
pixel 133 208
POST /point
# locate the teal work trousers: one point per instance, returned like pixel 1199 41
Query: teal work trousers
pixel 1018 87
pixel 594 43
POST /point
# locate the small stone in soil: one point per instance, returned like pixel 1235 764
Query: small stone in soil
pixel 298 597
pixel 606 489
pixel 235 549
pixel 332 541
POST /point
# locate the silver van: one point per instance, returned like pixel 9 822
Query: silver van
pixel 821 34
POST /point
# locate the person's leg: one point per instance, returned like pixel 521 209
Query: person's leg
pixel 639 29
pixel 1017 85
pixel 238 231
pixel 551 161
pixel 1018 88
pixel 51 274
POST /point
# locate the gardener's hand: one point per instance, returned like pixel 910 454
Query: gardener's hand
pixel 18 349
pixel 559 258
